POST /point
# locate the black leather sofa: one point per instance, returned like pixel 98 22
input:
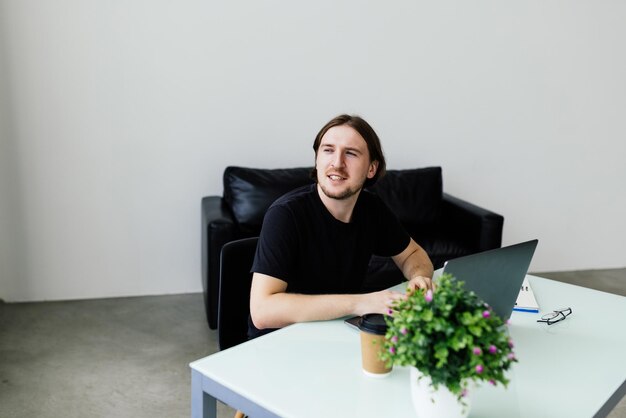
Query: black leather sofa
pixel 445 226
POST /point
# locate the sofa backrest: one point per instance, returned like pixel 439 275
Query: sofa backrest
pixel 249 192
pixel 414 195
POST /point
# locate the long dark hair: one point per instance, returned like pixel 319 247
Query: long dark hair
pixel 369 135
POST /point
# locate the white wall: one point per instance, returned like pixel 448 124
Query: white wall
pixel 9 275
pixel 123 114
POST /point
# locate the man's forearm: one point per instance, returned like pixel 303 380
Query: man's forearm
pixel 418 264
pixel 282 309
pixel 415 262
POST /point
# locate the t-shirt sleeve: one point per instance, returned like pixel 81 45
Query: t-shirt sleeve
pixel 275 253
pixel 392 237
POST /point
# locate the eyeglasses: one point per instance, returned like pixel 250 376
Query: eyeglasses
pixel 556 316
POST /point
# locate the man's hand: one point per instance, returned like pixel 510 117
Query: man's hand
pixel 378 302
pixel 383 302
pixel 420 283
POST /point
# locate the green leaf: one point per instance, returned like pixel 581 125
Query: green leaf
pixel 427 315
pixel 476 330
pixel 467 318
pixel 441 354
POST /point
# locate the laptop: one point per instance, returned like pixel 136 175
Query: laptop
pixel 496 276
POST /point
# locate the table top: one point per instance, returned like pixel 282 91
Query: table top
pixel 313 369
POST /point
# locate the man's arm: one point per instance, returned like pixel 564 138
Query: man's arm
pixel 416 266
pixel 272 307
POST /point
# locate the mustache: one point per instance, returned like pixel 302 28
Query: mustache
pixel 337 172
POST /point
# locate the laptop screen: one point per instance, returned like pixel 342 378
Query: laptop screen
pixel 496 276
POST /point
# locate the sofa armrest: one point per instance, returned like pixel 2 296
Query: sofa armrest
pixel 481 228
pixel 218 227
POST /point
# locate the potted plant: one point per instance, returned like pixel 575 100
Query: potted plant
pixel 450 338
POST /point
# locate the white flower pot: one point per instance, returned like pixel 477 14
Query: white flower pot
pixel 430 403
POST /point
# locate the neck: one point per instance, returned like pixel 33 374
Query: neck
pixel 341 209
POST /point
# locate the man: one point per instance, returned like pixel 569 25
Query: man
pixel 316 241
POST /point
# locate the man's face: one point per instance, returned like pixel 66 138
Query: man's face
pixel 343 162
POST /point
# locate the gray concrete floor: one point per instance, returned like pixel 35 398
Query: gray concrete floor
pixel 129 357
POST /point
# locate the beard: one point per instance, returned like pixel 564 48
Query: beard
pixel 341 194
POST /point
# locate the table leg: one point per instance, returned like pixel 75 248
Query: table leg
pixel 203 405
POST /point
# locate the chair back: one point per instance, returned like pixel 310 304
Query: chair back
pixel 234 294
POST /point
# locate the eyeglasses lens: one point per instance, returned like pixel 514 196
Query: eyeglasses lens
pixel 551 316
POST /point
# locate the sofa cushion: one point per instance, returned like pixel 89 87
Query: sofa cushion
pixel 249 192
pixel 414 195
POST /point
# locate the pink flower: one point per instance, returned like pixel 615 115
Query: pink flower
pixel 428 296
pixel 394 339
pixel 493 349
pixel 464 393
pixel 486 314
pixel 511 344
pixel 404 331
pixel 493 382
pixel 511 356
pixel 479 369
pixel 477 351
pixel 392 350
pixel 389 312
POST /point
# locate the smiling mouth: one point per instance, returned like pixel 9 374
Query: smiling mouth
pixel 335 177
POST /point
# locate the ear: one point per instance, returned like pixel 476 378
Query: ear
pixel 372 170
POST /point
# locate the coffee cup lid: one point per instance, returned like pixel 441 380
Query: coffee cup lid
pixel 373 323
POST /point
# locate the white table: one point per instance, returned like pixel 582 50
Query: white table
pixel 576 368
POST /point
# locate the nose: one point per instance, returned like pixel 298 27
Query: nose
pixel 338 160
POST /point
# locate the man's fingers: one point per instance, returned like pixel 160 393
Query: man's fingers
pixel 421 282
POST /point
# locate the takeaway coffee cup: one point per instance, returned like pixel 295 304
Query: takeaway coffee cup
pixel 373 329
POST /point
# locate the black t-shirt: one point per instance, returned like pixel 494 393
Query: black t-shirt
pixel 302 244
